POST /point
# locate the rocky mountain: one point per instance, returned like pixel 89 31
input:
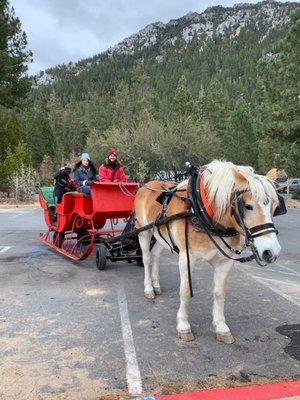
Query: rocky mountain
pixel 157 40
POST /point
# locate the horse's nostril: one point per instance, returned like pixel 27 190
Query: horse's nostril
pixel 267 256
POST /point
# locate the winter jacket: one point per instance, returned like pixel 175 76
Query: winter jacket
pixel 84 174
pixel 111 173
pixel 62 184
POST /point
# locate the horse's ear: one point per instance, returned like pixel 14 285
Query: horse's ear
pixel 240 179
pixel 272 174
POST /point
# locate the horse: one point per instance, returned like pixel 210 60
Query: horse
pixel 238 200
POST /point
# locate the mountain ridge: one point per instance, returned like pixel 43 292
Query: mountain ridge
pixel 214 21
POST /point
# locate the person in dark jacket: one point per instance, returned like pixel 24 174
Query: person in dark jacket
pixel 84 173
pixel 63 183
pixel 112 170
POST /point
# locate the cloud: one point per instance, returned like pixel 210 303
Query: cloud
pixel 60 31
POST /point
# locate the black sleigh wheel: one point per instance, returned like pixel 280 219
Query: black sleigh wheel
pixel 101 254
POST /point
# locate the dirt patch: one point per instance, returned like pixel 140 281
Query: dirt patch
pixel 219 381
pixel 27 372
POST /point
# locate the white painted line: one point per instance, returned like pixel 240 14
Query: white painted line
pixel 268 285
pixel 276 281
pixel 3 249
pixel 287 268
pixel 277 271
pixel 20 213
pixel 133 375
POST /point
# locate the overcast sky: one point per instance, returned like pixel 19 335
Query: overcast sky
pixel 60 31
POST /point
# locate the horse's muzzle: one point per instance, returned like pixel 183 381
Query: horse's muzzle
pixel 268 256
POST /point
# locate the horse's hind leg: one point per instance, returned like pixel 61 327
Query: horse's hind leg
pixel 144 239
pixel 221 272
pixel 183 325
pixel 156 253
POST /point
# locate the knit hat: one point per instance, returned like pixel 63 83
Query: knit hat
pixel 85 156
pixel 111 151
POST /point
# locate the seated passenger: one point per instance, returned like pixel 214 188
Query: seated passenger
pixel 112 170
pixel 63 183
pixel 84 173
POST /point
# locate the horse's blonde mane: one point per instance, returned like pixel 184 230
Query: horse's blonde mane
pixel 220 183
pixel 182 185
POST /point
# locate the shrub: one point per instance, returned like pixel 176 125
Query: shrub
pixel 22 183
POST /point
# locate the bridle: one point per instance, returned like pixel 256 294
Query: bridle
pixel 237 210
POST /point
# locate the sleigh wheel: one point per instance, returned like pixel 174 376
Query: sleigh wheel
pixel 101 257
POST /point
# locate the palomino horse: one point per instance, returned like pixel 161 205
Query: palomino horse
pixel 225 184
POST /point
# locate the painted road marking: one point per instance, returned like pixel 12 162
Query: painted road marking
pixel 16 212
pixel 265 282
pixel 20 213
pixel 3 249
pixel 133 375
pixel 276 270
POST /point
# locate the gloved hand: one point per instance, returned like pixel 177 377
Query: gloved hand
pixel 86 182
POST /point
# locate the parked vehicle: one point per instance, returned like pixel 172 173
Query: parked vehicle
pixel 294 184
pixel 291 184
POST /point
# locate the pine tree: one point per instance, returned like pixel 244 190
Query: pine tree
pixel 240 139
pixel 13 57
pixel 9 130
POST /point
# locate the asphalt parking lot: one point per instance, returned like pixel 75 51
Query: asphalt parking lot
pixel 69 331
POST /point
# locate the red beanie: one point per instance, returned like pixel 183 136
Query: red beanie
pixel 111 150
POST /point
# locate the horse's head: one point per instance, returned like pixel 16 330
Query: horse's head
pixel 245 201
pixel 253 206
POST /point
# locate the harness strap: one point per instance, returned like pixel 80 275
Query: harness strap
pixel 151 225
pixel 240 259
pixel 175 248
pixel 262 229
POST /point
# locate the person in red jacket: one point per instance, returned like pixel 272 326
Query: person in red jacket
pixel 112 170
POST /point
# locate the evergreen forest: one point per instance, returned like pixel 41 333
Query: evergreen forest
pixel 226 97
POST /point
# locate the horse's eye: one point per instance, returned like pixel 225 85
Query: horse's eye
pixel 248 207
pixel 266 201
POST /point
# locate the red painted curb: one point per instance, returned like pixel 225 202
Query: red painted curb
pixel 256 392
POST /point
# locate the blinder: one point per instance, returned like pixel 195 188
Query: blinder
pixel 281 208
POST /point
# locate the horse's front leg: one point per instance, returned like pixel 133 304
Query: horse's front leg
pixel 156 253
pixel 221 272
pixel 183 325
pixel 144 240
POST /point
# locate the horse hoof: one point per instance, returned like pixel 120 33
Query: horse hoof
pixel 150 295
pixel 157 290
pixel 186 336
pixel 226 338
